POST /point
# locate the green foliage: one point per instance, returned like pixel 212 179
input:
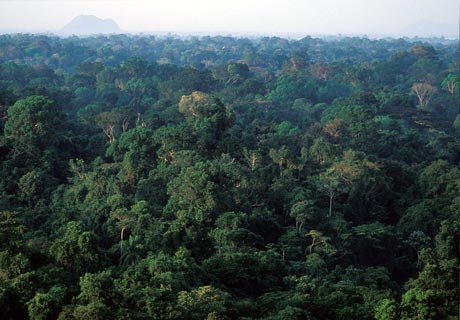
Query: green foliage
pixel 77 250
pixel 207 116
pixel 11 230
pixel 386 310
pixel 228 178
pixel 32 123
pixel 13 265
pixel 45 306
pixel 456 124
pixel 203 303
pixel 417 304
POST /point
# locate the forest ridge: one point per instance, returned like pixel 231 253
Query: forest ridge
pixel 149 177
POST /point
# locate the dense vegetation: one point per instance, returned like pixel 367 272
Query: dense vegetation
pixel 224 178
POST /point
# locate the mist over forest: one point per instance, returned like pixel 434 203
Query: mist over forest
pixel 218 177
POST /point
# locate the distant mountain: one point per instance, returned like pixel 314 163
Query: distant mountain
pixel 88 24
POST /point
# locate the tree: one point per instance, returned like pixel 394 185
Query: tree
pixel 424 93
pixel 33 123
pixel 77 250
pixel 456 123
pixel 46 306
pixel 418 240
pixel 193 191
pixel 31 186
pixel 232 233
pixel 317 239
pixel 237 73
pixel 386 309
pixel 280 157
pixel 109 121
pixel 301 211
pixel 90 68
pixel 11 230
pixel 322 151
pixel 238 271
pixel 207 115
pixel 320 70
pixel 97 288
pixel 419 304
pixel 329 183
pixel 434 293
pixel 342 174
pixel 451 83
pixel 132 251
pixel 252 158
pixel 203 303
pixel 90 311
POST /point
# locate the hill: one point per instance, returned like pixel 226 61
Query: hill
pixel 89 24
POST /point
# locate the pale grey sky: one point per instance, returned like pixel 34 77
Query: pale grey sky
pixel 371 17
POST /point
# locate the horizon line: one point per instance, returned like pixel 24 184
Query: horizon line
pixel 203 33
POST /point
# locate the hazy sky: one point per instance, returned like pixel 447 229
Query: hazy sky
pixel 371 17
